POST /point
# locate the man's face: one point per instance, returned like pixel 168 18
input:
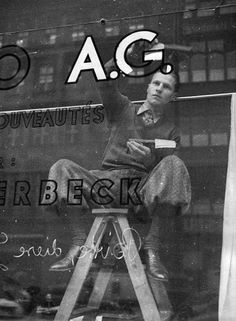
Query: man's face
pixel 161 89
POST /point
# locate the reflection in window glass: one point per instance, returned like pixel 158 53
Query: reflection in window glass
pixel 230 9
pixel 216 67
pixel 9 68
pixel 194 257
pixel 199 131
pixel 219 139
pixel 40 136
pixel 184 71
pixel 231 65
pixel 219 130
pixel 133 27
pixel 22 40
pixel 12 136
pixel 198 46
pixel 198 67
pixel 189 5
pixel 216 45
pixel 21 85
pixel 77 33
pixel 73 86
pixel 112 29
pixel 136 80
pixel 185 140
pixel 52 36
pixel 207 4
pixel 46 78
pixel 185 131
pixel 200 139
pixel 202 206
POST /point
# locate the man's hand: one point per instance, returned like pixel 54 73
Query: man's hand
pixel 136 49
pixel 141 153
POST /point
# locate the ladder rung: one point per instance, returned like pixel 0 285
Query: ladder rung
pixel 110 211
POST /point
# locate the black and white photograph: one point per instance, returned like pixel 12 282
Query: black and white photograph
pixel 118 160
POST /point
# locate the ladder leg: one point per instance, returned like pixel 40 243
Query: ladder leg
pixel 100 286
pixel 98 292
pixel 81 271
pixel 136 270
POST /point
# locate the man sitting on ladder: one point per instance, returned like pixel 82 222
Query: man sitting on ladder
pixel 163 178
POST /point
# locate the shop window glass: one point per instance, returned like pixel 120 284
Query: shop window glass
pixel 189 5
pixel 46 78
pixel 72 85
pixel 77 33
pixel 112 29
pixel 207 4
pixel 22 40
pixel 219 139
pixel 216 45
pixel 51 36
pixel 40 136
pixel 202 206
pixel 218 130
pixel 137 26
pixel 218 206
pixel 199 131
pixel 12 138
pixel 184 71
pixel 72 89
pixel 21 85
pixel 231 65
pixel 230 9
pixel 216 67
pixel 185 131
pixel 198 68
pixel 136 80
pixel 198 46
pixel 9 67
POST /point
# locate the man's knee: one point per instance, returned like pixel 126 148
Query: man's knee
pixel 170 162
pixel 61 165
pixel 172 159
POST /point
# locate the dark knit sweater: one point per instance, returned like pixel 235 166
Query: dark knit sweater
pixel 125 123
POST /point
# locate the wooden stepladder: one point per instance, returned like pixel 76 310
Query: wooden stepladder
pixel 118 218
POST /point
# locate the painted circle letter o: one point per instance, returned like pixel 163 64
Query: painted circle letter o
pixel 23 60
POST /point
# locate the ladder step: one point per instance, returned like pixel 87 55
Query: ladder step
pixel 110 211
pixel 81 318
pixel 108 316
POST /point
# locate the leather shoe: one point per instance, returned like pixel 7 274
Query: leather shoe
pixel 68 262
pixel 154 267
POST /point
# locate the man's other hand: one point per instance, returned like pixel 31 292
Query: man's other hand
pixel 141 153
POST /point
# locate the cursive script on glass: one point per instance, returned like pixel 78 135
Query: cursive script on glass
pixel 120 250
pixel 3 240
pixel 39 251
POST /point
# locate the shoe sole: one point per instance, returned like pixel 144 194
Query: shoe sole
pixel 61 270
pixel 156 278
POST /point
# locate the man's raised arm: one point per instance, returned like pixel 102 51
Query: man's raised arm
pixel 113 101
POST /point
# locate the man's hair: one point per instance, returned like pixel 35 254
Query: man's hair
pixel 175 75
